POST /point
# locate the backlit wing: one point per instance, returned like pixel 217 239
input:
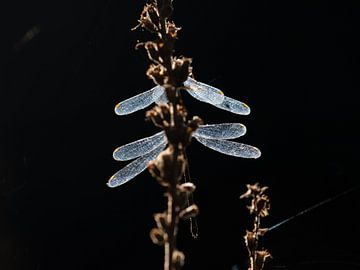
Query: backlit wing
pixel 139 101
pixel 162 99
pixel 231 148
pixel 134 168
pixel 214 96
pixel 221 131
pixel 204 92
pixel 139 147
pixel 234 106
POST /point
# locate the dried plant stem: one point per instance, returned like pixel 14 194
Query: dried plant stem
pixel 170 245
pixel 259 207
pixel 168 168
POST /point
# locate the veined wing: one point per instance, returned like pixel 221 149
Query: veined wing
pixel 139 147
pixel 134 168
pixel 204 92
pixel 139 101
pixel 162 98
pixel 231 148
pixel 220 131
pixel 234 106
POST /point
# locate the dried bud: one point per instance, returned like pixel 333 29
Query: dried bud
pixel 156 116
pixel 165 163
pixel 157 73
pixel 253 190
pixel 154 171
pixel 172 30
pixel 187 188
pixel 189 212
pixel 169 168
pixel 250 241
pixel 160 219
pixel 181 69
pixel 149 19
pixel 178 259
pixel 157 236
pixel 260 257
pixel 152 51
pixel 194 123
pixel 262 205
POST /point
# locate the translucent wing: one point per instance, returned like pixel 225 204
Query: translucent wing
pixel 204 92
pixel 221 131
pixel 234 106
pixel 139 101
pixel 139 147
pixel 134 168
pixel 231 148
pixel 162 99
pixel 214 96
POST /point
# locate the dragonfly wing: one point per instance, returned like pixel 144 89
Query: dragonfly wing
pixel 139 101
pixel 204 92
pixel 230 148
pixel 234 106
pixel 134 168
pixel 162 99
pixel 221 131
pixel 139 147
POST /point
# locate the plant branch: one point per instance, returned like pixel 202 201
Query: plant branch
pixel 169 72
pixel 259 207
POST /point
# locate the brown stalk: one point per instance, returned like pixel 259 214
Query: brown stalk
pixel 259 207
pixel 169 167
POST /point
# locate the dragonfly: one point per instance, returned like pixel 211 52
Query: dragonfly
pixel 214 136
pixel 200 91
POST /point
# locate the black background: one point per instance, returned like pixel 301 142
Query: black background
pixel 295 63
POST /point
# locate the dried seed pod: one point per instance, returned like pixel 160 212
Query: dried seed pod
pixel 172 29
pixel 262 205
pixel 156 115
pixel 157 236
pixel 194 123
pixel 260 258
pixel 146 23
pixel 250 241
pixel 168 167
pixel 253 191
pixel 189 212
pixel 164 162
pixel 154 170
pixel 157 73
pixel 160 219
pixel 187 188
pixel 178 259
pixel 181 68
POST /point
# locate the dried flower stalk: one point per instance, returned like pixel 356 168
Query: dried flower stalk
pixel 169 167
pixel 259 207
